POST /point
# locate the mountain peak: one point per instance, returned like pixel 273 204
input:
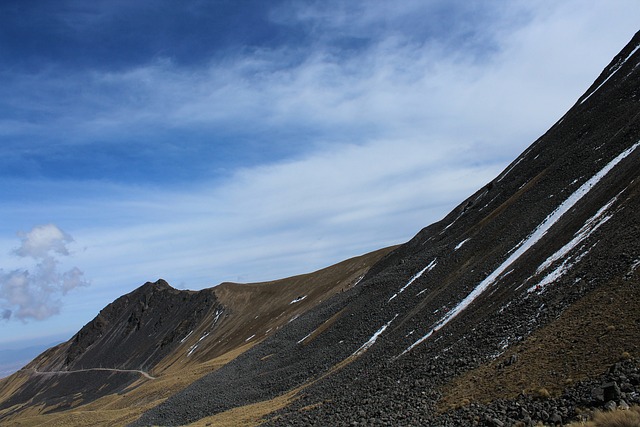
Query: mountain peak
pixel 158 285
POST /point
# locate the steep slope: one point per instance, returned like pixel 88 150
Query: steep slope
pixel 155 340
pixel 557 230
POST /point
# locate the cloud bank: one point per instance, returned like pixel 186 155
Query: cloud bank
pixel 35 293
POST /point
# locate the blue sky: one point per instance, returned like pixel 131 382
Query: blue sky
pixel 211 141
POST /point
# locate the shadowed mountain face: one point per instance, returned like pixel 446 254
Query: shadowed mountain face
pixel 519 306
pixel 137 330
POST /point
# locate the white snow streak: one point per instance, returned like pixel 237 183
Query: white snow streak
pixel 195 346
pixel 297 300
pixel 459 245
pixel 501 177
pixel 587 229
pixel 537 234
pixel 559 271
pixel 302 340
pixel 618 66
pixel 192 349
pixel 445 229
pixel 293 318
pixel 217 316
pixel 415 277
pixel 553 276
pixel 359 280
pixel 186 336
pixel 373 338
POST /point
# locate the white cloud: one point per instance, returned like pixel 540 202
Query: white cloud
pixel 282 219
pixel 34 293
pixel 43 240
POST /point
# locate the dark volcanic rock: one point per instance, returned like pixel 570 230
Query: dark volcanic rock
pixel 138 329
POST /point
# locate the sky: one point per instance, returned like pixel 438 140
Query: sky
pixel 210 141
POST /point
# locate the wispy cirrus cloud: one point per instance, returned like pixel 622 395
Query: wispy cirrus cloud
pixel 365 71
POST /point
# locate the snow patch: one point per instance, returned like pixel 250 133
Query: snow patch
pixel 590 226
pixel 297 299
pixel 293 318
pixel 415 277
pixel 459 245
pixel 453 222
pixel 373 338
pixel 307 336
pixel 537 234
pixel 215 319
pixel 488 203
pixel 186 336
pixel 445 229
pixel 501 177
pixel 195 346
pixel 192 349
pixel 587 229
pixel 617 68
pixel 558 271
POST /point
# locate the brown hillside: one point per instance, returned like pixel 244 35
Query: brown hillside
pixel 246 314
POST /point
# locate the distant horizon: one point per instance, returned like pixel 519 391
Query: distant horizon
pixel 53 339
pixel 15 354
pixel 214 142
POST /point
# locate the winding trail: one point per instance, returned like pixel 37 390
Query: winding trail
pixel 137 371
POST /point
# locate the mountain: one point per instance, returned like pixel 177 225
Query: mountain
pixel 156 340
pixel 519 307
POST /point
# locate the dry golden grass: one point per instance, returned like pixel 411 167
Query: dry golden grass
pixel 10 385
pixel 595 332
pixel 628 418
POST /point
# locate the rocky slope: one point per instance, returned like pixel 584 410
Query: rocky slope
pixel 560 225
